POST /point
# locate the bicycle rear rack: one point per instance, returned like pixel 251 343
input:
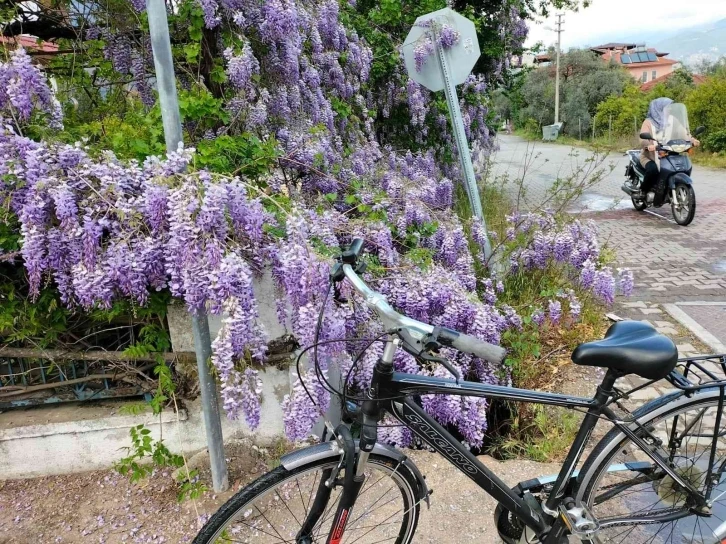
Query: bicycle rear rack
pixel 695 373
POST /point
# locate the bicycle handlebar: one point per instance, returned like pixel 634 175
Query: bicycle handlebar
pixel 479 348
pixel 393 320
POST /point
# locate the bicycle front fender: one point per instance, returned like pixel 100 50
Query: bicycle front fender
pixel 331 450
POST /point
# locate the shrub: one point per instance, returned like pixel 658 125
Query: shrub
pixel 716 141
pixel 531 126
pixel 626 113
pixel 707 105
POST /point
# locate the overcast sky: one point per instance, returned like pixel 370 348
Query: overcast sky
pixel 613 20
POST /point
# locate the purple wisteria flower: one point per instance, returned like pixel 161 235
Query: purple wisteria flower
pixel 448 36
pixel 422 51
pixel 555 311
pixel 626 281
pixel 538 317
pixel 604 286
pixel 587 274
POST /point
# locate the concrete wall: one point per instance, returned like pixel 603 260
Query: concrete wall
pixel 94 439
pixel 91 444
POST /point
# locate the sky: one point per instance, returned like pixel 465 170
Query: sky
pixel 614 20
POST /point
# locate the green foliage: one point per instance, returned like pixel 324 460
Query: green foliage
pixel 242 154
pixel 532 127
pixel 715 141
pixel 145 454
pixel 540 434
pixel 677 87
pixel 707 105
pixel 153 339
pixel 131 133
pixel 143 449
pixel 627 113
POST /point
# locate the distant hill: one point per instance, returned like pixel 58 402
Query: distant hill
pixel 692 45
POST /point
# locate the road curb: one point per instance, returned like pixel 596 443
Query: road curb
pixel 692 325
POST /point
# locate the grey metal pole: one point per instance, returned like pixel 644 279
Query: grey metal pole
pixel 457 124
pixel 557 73
pixel 166 84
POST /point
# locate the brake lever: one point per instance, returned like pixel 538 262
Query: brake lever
pixel 424 352
pixel 426 356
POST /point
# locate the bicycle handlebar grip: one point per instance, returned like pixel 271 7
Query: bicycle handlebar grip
pixel 350 256
pixel 479 348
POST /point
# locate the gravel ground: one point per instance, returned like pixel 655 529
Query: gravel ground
pixel 104 507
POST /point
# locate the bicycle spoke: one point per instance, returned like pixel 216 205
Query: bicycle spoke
pixel 288 508
pixel 634 494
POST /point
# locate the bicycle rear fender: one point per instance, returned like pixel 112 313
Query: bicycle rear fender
pixel 331 449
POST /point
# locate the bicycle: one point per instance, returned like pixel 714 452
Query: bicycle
pixel 657 475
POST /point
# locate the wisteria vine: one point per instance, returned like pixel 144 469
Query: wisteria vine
pixel 102 229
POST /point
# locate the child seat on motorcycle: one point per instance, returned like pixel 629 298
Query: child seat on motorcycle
pixel 630 347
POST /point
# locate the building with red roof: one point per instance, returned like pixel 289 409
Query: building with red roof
pixel 643 63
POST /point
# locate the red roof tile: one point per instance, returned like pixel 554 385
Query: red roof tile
pixel 697 80
pixel 29 42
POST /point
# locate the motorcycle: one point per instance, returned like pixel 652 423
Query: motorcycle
pixel 673 144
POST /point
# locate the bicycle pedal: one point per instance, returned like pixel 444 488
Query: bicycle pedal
pixel 581 522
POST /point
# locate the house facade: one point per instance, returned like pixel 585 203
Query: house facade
pixel 645 64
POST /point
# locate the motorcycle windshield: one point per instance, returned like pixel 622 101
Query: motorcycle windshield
pixel 676 129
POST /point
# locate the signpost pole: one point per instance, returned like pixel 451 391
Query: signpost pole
pixel 166 84
pixel 457 125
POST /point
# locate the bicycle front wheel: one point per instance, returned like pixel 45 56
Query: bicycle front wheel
pixel 620 481
pixel 273 508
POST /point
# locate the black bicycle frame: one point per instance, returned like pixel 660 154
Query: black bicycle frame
pixel 425 427
pixel 404 386
pixel 394 392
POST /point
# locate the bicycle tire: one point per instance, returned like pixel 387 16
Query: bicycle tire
pixel 402 476
pixel 656 413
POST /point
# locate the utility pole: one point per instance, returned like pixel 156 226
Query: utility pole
pixel 559 30
pixel 171 119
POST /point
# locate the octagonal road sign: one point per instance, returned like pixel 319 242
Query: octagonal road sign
pixel 460 57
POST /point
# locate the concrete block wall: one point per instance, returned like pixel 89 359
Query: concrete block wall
pixel 37 449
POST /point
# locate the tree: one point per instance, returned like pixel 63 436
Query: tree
pixel 676 87
pixel 626 112
pixel 585 80
pixel 707 106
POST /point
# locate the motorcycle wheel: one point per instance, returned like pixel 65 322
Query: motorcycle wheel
pixel 683 206
pixel 639 204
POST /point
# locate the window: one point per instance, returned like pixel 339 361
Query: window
pixel 644 79
pixel 653 75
